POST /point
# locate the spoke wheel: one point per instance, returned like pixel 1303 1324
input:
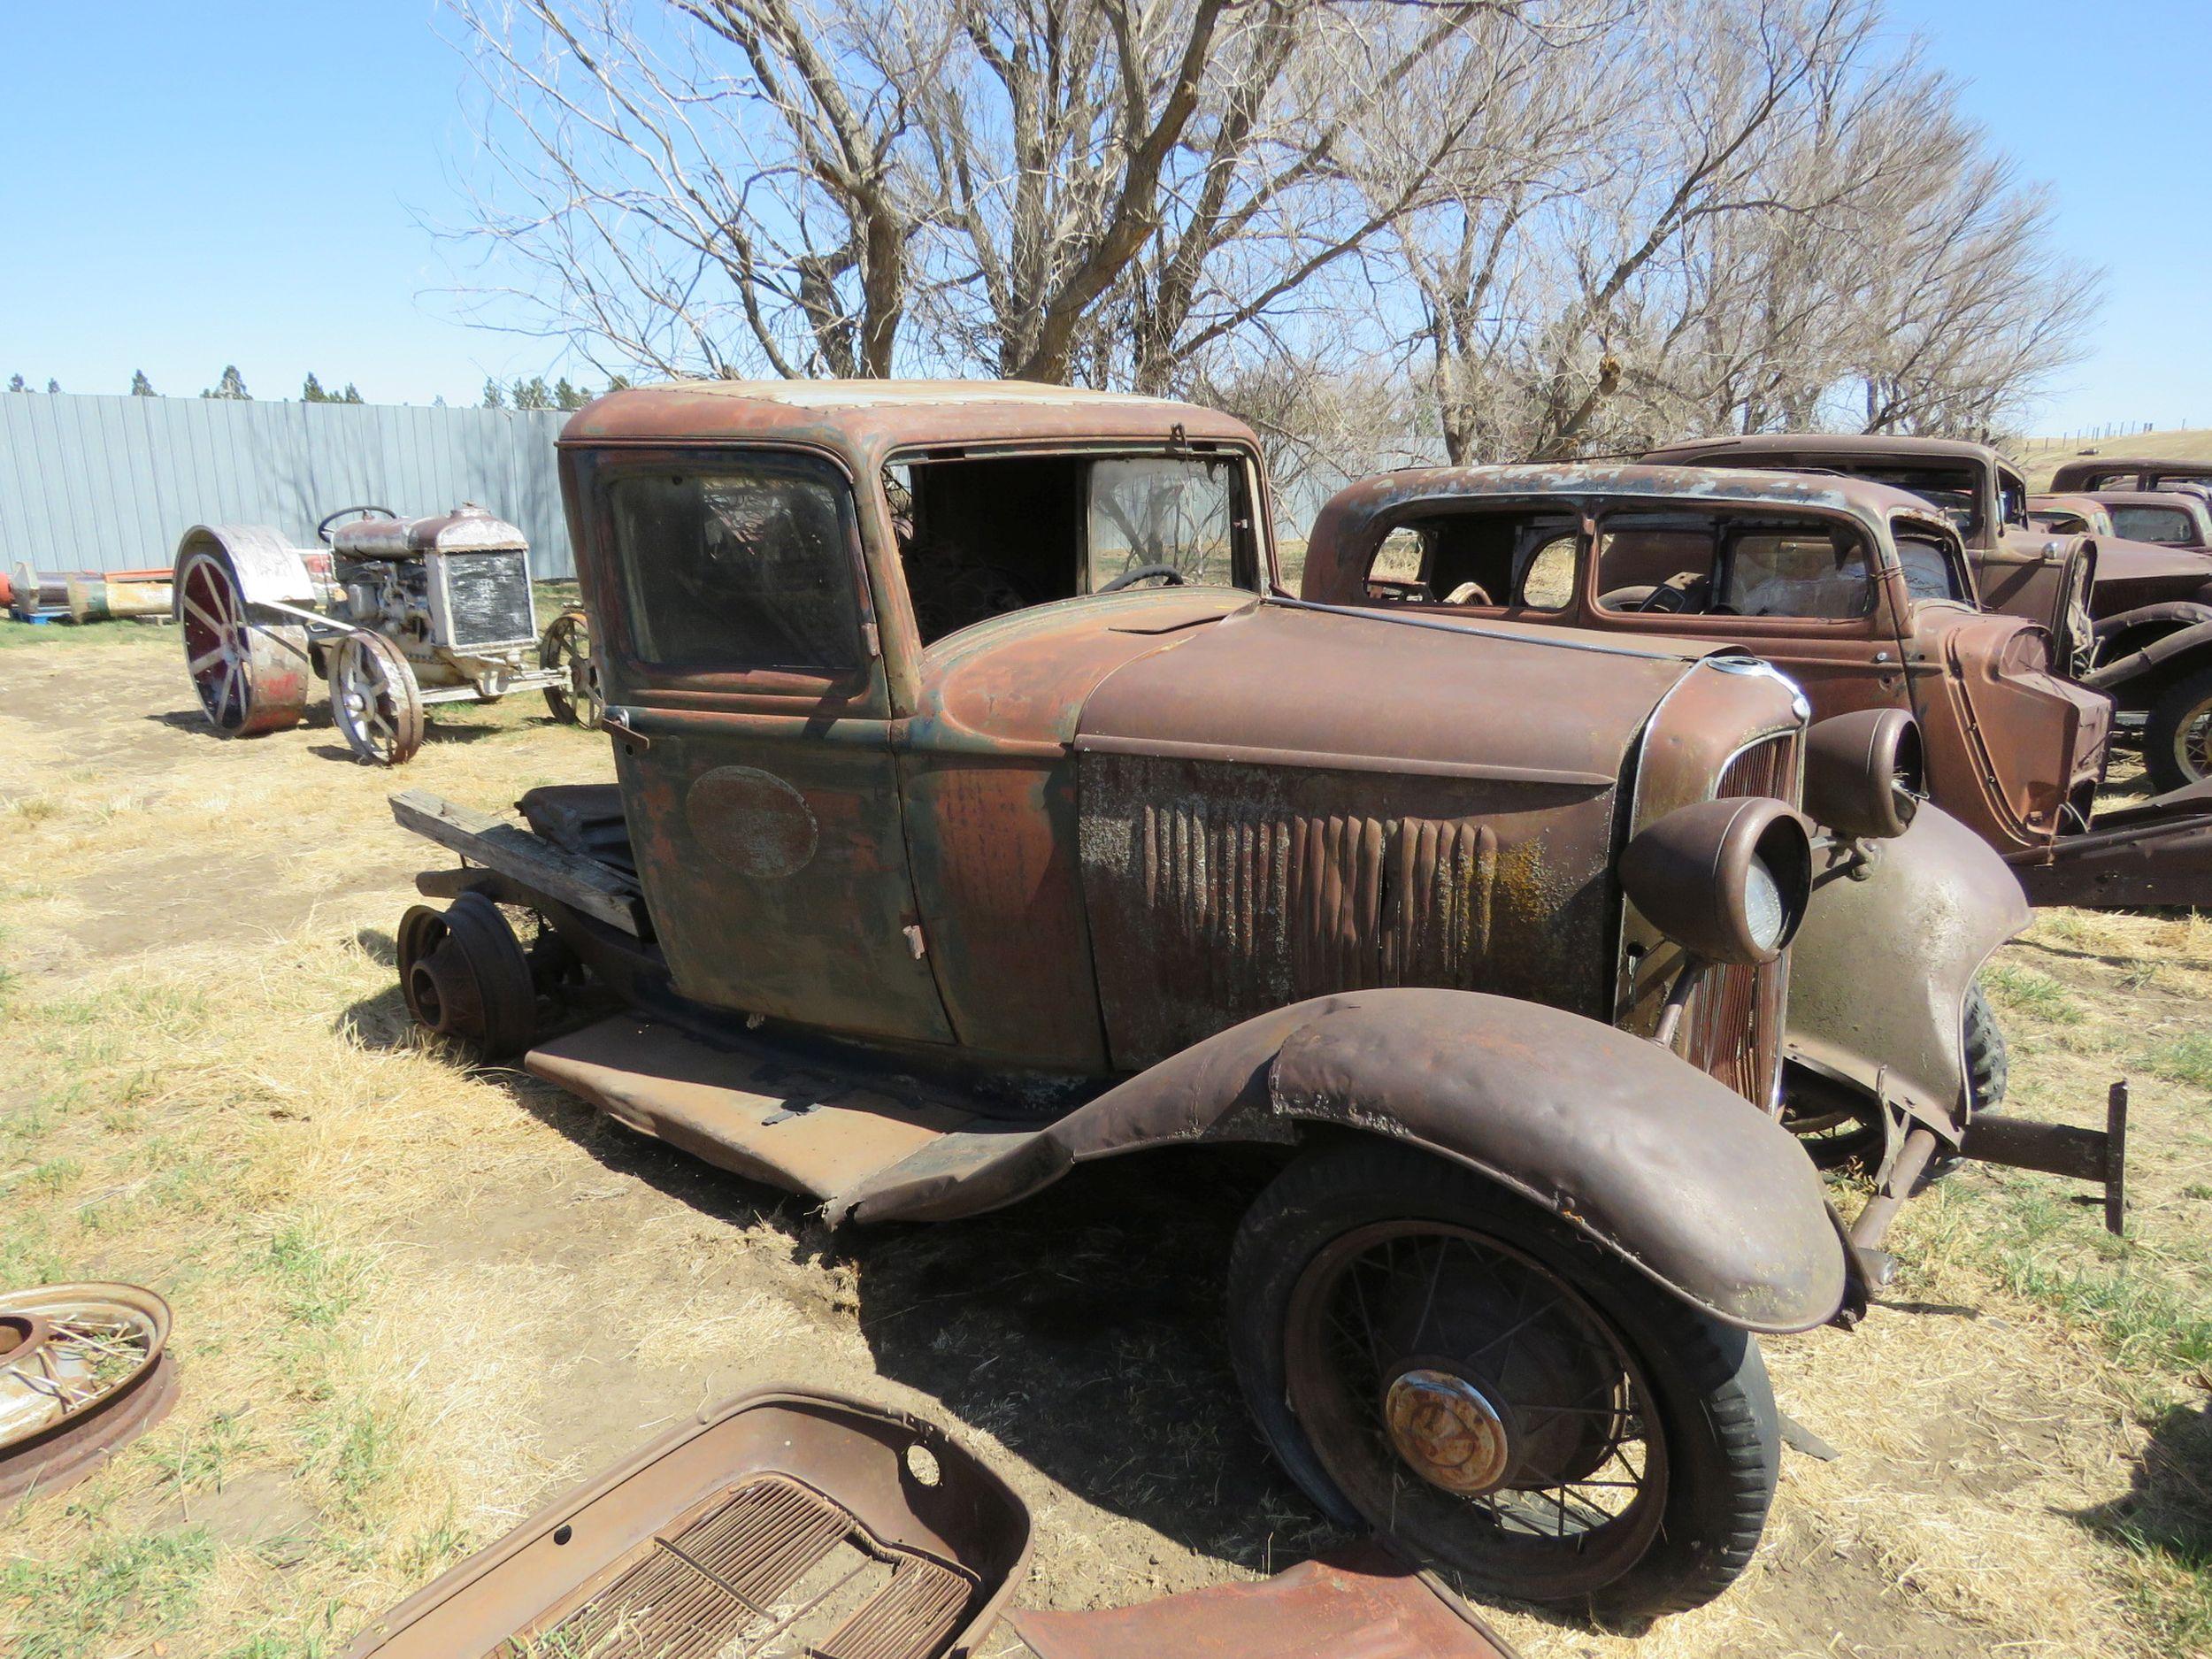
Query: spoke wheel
pixel 2177 735
pixel 83 1368
pixel 1506 1402
pixel 465 976
pixel 1840 1129
pixel 372 696
pixel 251 677
pixel 565 647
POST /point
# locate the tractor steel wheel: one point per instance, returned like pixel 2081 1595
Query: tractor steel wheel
pixel 565 645
pixel 251 677
pixel 83 1368
pixel 1511 1405
pixel 2177 735
pixel 373 696
pixel 465 976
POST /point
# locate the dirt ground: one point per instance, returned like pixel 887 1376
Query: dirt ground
pixel 414 1301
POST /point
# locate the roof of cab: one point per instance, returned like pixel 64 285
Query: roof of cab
pixel 1901 447
pixel 885 414
pixel 1336 549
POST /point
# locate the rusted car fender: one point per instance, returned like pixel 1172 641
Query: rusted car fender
pixel 2189 637
pixel 1654 1160
pixel 1881 966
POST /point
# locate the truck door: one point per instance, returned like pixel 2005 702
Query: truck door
pixel 750 714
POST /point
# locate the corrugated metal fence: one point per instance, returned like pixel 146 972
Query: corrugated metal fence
pixel 112 482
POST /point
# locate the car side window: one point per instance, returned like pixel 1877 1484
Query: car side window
pixel 739 564
pixel 1674 563
pixel 1548 575
pixel 1394 574
pixel 1929 571
pixel 2166 525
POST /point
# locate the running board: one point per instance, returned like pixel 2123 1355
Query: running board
pixel 757 1110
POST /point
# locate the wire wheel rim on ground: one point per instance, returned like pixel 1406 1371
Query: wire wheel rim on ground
pixel 373 697
pixel 1477 1514
pixel 82 1368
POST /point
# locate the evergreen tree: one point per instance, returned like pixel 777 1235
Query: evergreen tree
pixel 617 382
pixel 53 385
pixel 566 396
pixel 351 394
pixel 16 385
pixel 141 386
pixel 532 394
pixel 312 392
pixel 493 398
pixel 231 388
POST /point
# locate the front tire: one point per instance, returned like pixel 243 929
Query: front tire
pixel 2177 734
pixel 1441 1361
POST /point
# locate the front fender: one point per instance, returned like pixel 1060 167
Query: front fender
pixel 1651 1158
pixel 1880 969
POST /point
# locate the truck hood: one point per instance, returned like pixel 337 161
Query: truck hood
pixel 1380 693
pixel 2132 573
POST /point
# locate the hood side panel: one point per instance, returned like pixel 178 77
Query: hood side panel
pixel 1218 890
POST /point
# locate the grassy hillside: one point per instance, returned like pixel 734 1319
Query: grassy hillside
pixel 2042 457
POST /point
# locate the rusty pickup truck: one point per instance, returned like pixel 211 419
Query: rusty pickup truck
pixel 984 809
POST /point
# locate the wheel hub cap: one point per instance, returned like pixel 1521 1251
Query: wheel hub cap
pixel 1445 1431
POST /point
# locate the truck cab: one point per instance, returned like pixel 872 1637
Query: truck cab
pixel 984 808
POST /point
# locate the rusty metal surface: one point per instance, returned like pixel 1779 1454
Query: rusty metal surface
pixel 2088 509
pixel 751 1109
pixel 2130 574
pixel 468 528
pixel 1342 538
pixel 868 414
pixel 1654 1160
pixel 1882 966
pixel 84 1369
pixel 2087 473
pixel 2156 852
pixel 787 1515
pixel 1353 1604
pixel 2010 745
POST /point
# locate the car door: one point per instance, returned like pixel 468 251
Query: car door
pixel 1808 594
pixel 750 710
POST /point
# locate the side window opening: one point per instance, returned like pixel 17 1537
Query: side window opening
pixel 1737 566
pixel 1499 559
pixel 1930 572
pixel 983 536
pixel 736 565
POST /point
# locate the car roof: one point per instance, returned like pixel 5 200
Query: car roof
pixel 1871 445
pixel 1747 486
pixel 876 415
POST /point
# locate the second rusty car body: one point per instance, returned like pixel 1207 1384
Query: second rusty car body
pixel 948 854
pixel 2125 617
pixel 1858 591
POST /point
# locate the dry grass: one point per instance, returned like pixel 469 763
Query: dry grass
pixel 414 1301
pixel 2040 457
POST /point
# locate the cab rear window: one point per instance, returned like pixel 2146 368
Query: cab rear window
pixel 2169 526
pixel 741 564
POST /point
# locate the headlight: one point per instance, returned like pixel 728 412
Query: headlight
pixel 1864 775
pixel 1728 880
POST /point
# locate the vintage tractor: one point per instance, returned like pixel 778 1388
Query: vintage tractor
pixel 396 613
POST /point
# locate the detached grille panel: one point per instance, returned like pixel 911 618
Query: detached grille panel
pixel 775 1571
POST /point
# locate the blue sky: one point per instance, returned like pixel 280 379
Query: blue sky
pixel 188 186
